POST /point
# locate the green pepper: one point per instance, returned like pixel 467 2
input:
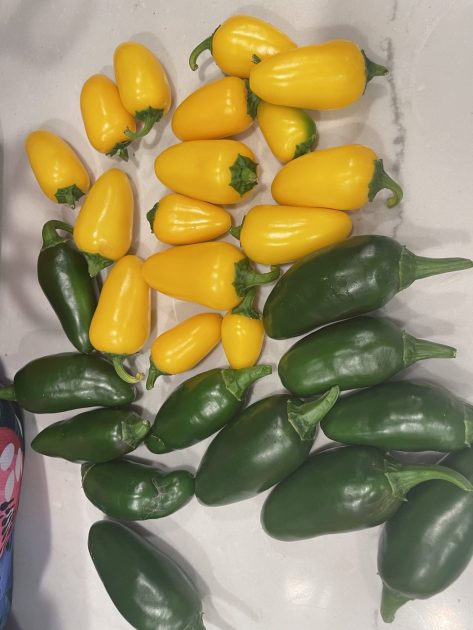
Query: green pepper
pixel 429 542
pixel 200 406
pixel 354 277
pixel 260 448
pixel 344 489
pixel 146 585
pixel 402 416
pixel 136 492
pixel 62 382
pixel 358 352
pixel 64 278
pixel 93 436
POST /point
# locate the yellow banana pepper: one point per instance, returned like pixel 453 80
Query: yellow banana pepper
pixel 243 333
pixel 184 346
pixel 342 178
pixel 323 76
pixel 57 168
pixel 180 220
pixel 103 229
pixel 241 41
pixel 105 118
pixel 215 274
pixel 142 84
pixel 276 235
pixel 289 131
pixel 217 171
pixel 121 322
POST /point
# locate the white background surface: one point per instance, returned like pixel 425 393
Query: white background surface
pixel 420 120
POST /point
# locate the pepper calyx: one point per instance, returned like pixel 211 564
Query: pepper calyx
pixel 382 180
pixel 252 101
pixel 245 307
pixel 238 381
pixel 373 69
pixel 246 276
pixel 404 477
pixel 69 195
pixel 244 175
pixel 149 117
pixel 151 215
pixel 305 416
pixel 120 149
pixel 96 262
pixel 133 434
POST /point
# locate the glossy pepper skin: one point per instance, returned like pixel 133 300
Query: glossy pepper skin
pixel 62 382
pixel 65 281
pixel 354 277
pixel 345 489
pixel 217 171
pixel 243 333
pixel 216 275
pixel 105 118
pixel 260 448
pixel 57 167
pixel 288 131
pixel 402 416
pixel 142 84
pixel 322 76
pixel 429 542
pixel 184 346
pixel 357 352
pixel 146 585
pixel 180 220
pixel 93 436
pixel 341 178
pixel 136 492
pixel 103 228
pixel 241 41
pixel 200 406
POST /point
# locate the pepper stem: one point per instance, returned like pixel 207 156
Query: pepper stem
pixel 117 360
pixel 205 45
pixel 247 277
pixel 244 176
pixel 50 236
pixel 120 149
pixel 149 117
pixel 153 374
pixel 373 69
pixel 134 431
pixel 415 349
pixel 382 180
pixel 96 262
pixel 69 195
pixel 305 416
pixel 391 601
pixel 151 215
pixel 7 393
pixel 238 381
pixel 403 477
pixel 413 267
pixel 252 101
pixel 246 306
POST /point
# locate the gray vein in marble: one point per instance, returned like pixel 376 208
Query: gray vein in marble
pixel 394 11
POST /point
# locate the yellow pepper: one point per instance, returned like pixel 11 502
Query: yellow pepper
pixel 142 84
pixel 103 229
pixel 243 333
pixel 59 172
pixel 323 76
pixel 276 235
pixel 240 42
pixel 289 131
pixel 342 178
pixel 217 171
pixel 184 346
pixel 180 220
pixel 105 118
pixel 217 110
pixel 121 322
pixel 215 274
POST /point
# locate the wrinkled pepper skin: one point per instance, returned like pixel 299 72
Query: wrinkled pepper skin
pixel 131 491
pixel 288 131
pixel 67 381
pixel 148 588
pixel 243 333
pixel 429 542
pixel 93 436
pixel 402 416
pixel 200 406
pixel 357 352
pixel 354 277
pixel 64 278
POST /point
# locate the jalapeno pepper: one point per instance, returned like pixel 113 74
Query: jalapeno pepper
pixel 351 278
pixel 146 585
pixel 243 333
pixel 200 406
pixel 289 131
pixel 260 448
pixel 62 382
pixel 93 436
pixel 65 281
pixel 345 489
pixel 357 352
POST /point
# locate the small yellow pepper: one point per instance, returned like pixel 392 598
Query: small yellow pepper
pixel 323 76
pixel 184 346
pixel 121 322
pixel 243 333
pixel 217 171
pixel 57 168
pixel 180 220
pixel 103 229
pixel 215 274
pixel 105 118
pixel 276 235
pixel 289 131
pixel 142 84
pixel 342 178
